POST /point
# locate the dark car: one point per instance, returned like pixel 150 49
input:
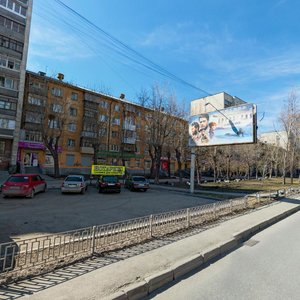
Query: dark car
pixel 137 183
pixel 26 185
pixel 109 183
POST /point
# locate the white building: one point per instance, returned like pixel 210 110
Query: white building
pixel 275 138
pixel 214 102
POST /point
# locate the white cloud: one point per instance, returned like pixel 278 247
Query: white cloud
pixel 47 42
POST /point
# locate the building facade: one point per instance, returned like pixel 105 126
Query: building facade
pixel 92 128
pixel 275 138
pixel 211 103
pixel 15 19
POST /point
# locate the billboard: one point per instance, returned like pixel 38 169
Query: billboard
pixel 108 170
pixel 232 125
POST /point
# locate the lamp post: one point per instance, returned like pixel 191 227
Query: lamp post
pixel 234 129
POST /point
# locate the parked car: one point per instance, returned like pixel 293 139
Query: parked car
pixel 74 184
pixel 26 185
pixel 137 183
pixel 109 183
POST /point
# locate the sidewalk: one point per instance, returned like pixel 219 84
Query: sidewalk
pixel 139 275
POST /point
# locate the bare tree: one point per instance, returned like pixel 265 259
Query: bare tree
pixel 52 127
pixel 289 118
pixel 160 122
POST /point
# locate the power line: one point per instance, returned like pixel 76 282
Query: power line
pixel 138 58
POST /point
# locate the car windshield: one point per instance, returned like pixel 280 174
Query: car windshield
pixel 139 178
pixel 110 179
pixel 18 179
pixel 74 178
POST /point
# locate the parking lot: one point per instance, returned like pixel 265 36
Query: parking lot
pixel 53 212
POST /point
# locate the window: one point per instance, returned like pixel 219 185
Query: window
pixel 74 96
pixel 114 148
pixel 56 92
pixel 103 104
pixel 57 108
pixel 2 147
pixel 117 107
pixel 73 112
pixel 90 114
pixel 137 149
pixel 116 121
pixel 33 117
pixel 33 136
pixel 147 164
pixel 103 118
pixel 53 123
pixel 10 44
pixel 103 132
pixel 71 143
pixel 70 159
pixel 8 83
pixel 72 127
pixel 35 101
pixel 7 124
pixel 137 163
pixel 86 161
pixel 115 134
pixel 89 127
pixel 6 104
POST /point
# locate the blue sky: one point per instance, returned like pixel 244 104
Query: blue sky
pixel 249 49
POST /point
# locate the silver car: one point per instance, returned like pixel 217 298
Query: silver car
pixel 74 184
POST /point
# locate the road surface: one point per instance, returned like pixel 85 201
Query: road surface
pixel 265 267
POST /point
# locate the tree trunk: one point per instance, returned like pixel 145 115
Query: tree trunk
pixel 56 166
pixel 178 158
pixel 169 163
pixel 158 151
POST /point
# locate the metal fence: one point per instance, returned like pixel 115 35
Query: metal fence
pixel 44 253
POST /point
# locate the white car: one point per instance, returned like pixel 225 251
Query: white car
pixel 74 184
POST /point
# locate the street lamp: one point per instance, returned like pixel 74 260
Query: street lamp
pixel 235 130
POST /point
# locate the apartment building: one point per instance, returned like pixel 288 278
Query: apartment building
pixel 214 102
pixel 15 18
pixel 92 128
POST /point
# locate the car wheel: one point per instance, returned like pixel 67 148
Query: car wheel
pixel 144 190
pixel 131 188
pixel 82 191
pixel 4 196
pixel 31 195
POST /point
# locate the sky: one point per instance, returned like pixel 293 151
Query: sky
pixel 248 49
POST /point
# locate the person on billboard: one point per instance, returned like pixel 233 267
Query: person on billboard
pixel 195 135
pixel 203 121
pixel 212 128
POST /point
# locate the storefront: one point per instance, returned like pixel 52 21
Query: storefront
pixel 31 155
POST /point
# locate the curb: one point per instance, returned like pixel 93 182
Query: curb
pixel 145 287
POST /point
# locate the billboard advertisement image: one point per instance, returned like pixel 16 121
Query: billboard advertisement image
pixel 232 125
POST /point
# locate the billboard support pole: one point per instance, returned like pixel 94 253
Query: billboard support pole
pixel 192 175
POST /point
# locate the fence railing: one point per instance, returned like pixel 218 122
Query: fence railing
pixel 44 253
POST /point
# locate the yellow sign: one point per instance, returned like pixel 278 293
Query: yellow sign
pixel 108 170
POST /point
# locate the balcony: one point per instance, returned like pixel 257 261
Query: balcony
pixel 89 134
pixel 87 150
pixel 128 126
pixel 129 140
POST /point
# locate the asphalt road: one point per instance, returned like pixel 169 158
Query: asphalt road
pixel 265 267
pixel 52 212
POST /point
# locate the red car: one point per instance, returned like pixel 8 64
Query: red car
pixel 26 185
